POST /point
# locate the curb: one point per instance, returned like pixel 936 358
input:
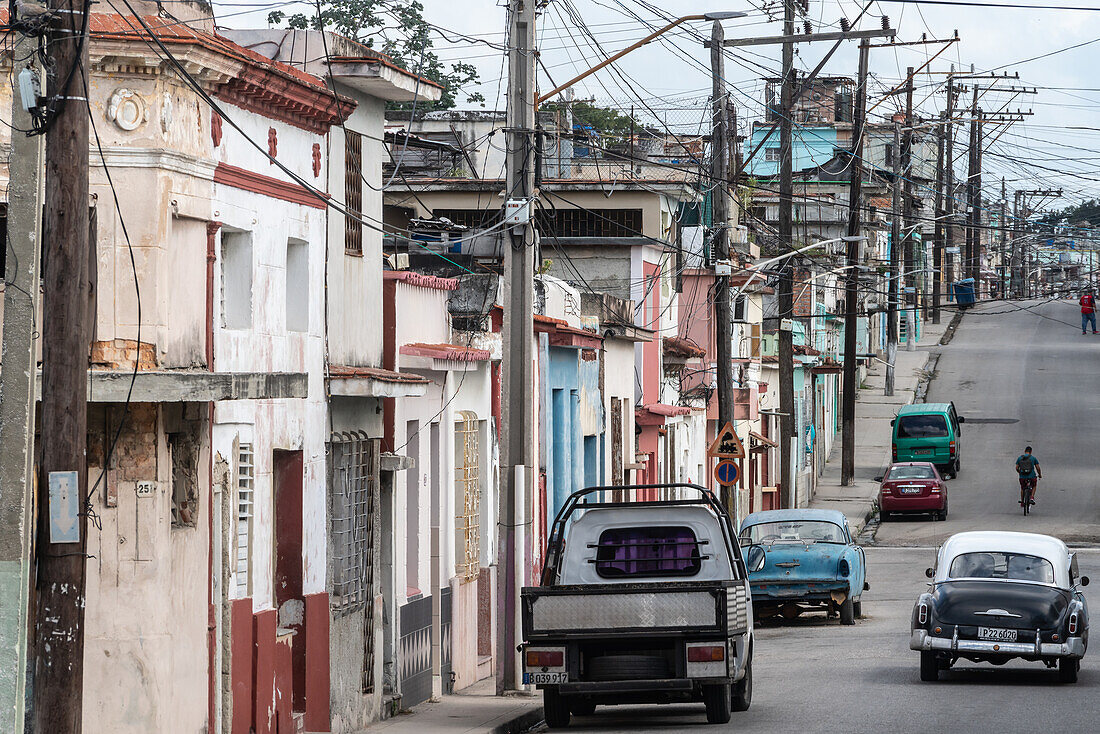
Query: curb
pixel 526 721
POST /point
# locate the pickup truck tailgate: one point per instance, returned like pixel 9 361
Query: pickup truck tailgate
pixel 619 608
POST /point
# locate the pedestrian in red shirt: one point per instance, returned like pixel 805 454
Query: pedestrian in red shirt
pixel 1088 311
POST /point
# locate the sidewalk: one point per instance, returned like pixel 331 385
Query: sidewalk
pixel 873 431
pixel 472 710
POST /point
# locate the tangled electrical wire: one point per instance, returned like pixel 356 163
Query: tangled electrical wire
pixel 31 21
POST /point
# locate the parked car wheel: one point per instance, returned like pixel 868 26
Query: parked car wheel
pixel 582 708
pixel 883 516
pixel 857 607
pixel 742 690
pixel 942 514
pixel 718 701
pixel 929 666
pixel 555 709
pixel 1067 670
pixel 848 611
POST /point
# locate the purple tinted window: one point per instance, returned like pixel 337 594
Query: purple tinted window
pixel 647 551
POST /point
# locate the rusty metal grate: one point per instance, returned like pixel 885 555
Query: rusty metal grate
pixel 468 489
pixel 353 498
pixel 353 192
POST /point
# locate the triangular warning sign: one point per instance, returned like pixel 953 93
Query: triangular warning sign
pixel 727 445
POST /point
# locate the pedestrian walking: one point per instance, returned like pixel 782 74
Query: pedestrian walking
pixel 1088 311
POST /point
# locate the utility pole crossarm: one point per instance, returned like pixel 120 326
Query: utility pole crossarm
pixel 810 37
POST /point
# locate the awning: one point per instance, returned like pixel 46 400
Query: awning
pixel 655 414
pixel 372 382
pixel 763 440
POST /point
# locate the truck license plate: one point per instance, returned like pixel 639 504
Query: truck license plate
pixel 545 678
pixel 996 635
pixel 922 452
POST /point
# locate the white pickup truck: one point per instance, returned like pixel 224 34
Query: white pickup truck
pixel 640 602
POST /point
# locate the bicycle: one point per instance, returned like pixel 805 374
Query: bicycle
pixel 1026 493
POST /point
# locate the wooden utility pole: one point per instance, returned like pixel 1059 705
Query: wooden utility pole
pixel 949 181
pixel 892 283
pixel 518 414
pixel 855 182
pixel 971 200
pixel 62 536
pixel 17 399
pixel 720 208
pixel 937 242
pixel 976 265
pixel 910 279
pixel 786 286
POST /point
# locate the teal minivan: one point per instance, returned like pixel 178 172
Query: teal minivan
pixel 929 432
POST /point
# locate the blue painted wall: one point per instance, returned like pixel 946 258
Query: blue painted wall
pixel 811 146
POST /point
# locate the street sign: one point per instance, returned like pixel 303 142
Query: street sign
pixel 725 473
pixel 727 445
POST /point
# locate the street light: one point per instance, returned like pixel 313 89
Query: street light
pixel 721 15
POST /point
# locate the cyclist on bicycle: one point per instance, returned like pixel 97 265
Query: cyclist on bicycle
pixel 1027 466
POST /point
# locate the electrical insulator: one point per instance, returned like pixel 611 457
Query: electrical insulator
pixel 807 27
pixel 886 22
pixel 845 25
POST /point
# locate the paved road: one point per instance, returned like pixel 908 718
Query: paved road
pixel 816 676
pixel 1020 377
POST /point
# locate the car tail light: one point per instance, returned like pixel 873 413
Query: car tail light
pixel 545 658
pixel 935 489
pixel 895 453
pixel 706 653
pixel 951 446
pixel 844 569
pixel 922 614
pixel 1072 628
pixel 886 490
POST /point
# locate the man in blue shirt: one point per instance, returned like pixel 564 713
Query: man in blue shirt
pixel 1027 466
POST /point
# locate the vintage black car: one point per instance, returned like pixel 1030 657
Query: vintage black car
pixel 996 596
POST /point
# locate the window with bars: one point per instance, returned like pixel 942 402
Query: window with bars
pixel 353 493
pixel 771 155
pixel 468 495
pixel 353 192
pixel 246 505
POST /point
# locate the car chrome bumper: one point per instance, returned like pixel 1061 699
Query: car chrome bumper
pixel 1074 647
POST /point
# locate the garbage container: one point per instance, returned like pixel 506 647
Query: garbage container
pixel 964 292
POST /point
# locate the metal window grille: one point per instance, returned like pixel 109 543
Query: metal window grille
pixel 468 487
pixel 353 192
pixel 771 154
pixel 246 494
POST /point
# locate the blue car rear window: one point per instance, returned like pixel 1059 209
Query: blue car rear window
pixel 648 551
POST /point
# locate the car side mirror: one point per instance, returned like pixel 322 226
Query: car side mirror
pixel 1084 581
pixel 929 572
pixel 755 558
pixel 961 419
pixel 878 479
pixel 893 421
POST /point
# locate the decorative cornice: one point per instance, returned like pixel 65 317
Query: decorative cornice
pixel 241 178
pixel 122 156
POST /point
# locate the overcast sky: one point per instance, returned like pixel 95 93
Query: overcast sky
pixel 671 79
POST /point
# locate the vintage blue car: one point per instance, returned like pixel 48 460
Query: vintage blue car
pixel 810 561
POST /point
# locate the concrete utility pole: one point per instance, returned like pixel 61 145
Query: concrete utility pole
pixel 17 400
pixel 855 183
pixel 720 207
pixel 786 285
pixel 937 243
pixel 518 415
pixel 1004 233
pixel 1017 278
pixel 949 180
pixel 909 255
pixel 971 196
pixel 892 283
pixel 62 517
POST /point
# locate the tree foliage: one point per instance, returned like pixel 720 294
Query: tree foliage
pixel 1085 212
pixel 400 31
pixel 612 125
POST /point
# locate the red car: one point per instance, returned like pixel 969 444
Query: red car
pixel 912 486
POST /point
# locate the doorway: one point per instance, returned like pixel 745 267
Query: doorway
pixel 287 472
